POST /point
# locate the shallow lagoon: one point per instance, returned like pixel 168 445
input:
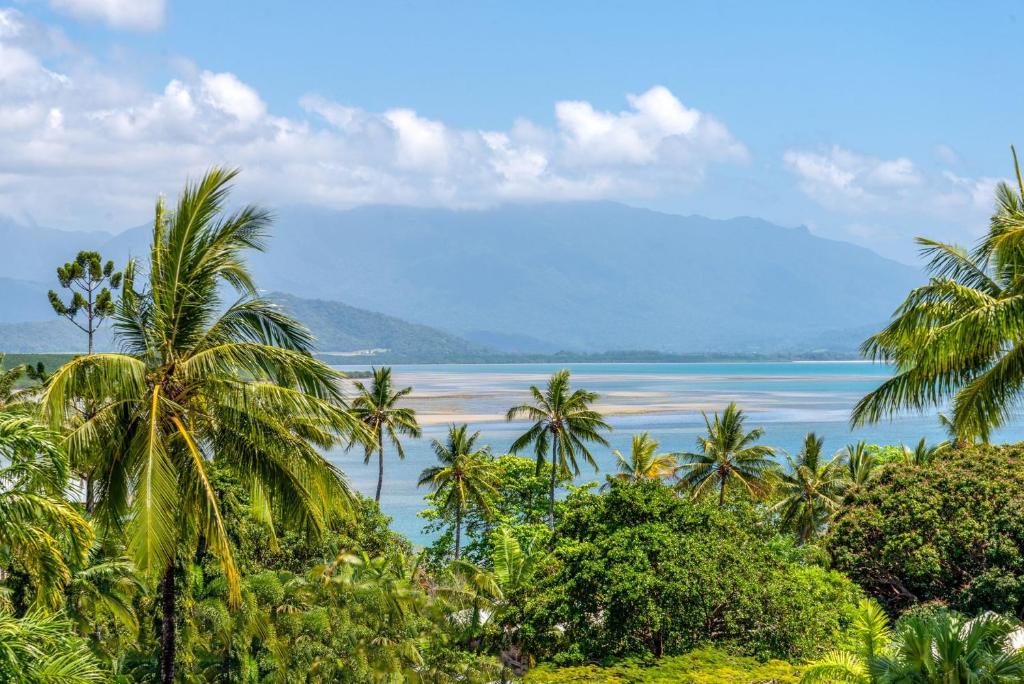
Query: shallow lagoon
pixel 787 399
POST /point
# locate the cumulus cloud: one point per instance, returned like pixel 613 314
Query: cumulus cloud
pixel 83 138
pixel 123 14
pixel 853 183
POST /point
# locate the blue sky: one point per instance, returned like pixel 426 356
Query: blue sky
pixel 869 122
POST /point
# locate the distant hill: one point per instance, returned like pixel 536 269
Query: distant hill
pixel 340 330
pixel 23 300
pixel 586 277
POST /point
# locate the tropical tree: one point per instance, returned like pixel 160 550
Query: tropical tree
pixel 644 462
pixel 199 381
pixel 40 532
pixel 959 336
pixel 89 281
pixel 922 454
pixel 728 453
pixel 860 462
pixel 41 648
pixel 13 397
pixel 810 490
pixel 944 648
pixel 378 408
pixel 466 476
pixel 564 422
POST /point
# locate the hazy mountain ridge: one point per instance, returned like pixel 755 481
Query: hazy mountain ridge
pixel 579 276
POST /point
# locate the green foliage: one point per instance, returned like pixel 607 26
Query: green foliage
pixel 41 649
pixel 642 570
pixel 810 489
pixel 950 532
pixel 703 666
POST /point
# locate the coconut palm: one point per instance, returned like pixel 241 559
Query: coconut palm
pixel 39 530
pixel 562 422
pixel 198 381
pixel 644 462
pixel 377 406
pixel 860 462
pixel 728 453
pixel 811 489
pixel 465 477
pixel 923 453
pixel 959 336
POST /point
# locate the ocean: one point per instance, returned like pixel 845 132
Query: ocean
pixel 787 399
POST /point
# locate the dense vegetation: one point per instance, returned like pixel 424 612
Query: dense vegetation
pixel 167 514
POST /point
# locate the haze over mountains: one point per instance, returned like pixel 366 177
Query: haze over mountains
pixel 573 276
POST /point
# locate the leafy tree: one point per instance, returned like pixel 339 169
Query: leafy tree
pixel 464 478
pixel 199 382
pixel 922 454
pixel 377 407
pixel 564 422
pixel 644 571
pixel 89 281
pixel 943 648
pixel 958 337
pixel 811 490
pixel 644 462
pixel 948 532
pixel 728 454
pixel 40 532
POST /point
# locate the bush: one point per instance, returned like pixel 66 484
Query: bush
pixel 706 666
pixel 950 532
pixel 644 571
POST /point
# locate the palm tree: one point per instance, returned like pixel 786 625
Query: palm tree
pixel 922 454
pixel 39 530
pixel 465 477
pixel 959 336
pixel 811 490
pixel 728 454
pixel 377 407
pixel 198 381
pixel 564 422
pixel 943 649
pixel 41 648
pixel 860 462
pixel 644 462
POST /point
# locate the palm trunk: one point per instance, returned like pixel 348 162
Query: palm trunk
pixel 90 493
pixel 551 500
pixel 168 635
pixel 380 465
pixel 721 492
pixel 458 532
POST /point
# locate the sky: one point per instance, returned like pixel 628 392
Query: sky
pixel 867 122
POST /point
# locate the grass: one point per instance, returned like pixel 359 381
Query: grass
pixel 50 361
pixel 704 666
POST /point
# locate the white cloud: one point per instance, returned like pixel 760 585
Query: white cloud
pixel 123 14
pixel 840 179
pixel 85 146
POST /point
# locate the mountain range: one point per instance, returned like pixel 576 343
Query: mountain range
pixel 585 277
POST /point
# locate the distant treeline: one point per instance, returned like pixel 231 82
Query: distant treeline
pixel 595 357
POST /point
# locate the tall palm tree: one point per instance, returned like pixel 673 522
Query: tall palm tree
pixel 39 530
pixel 810 490
pixel 922 454
pixel 466 476
pixel 860 462
pixel 564 422
pixel 198 381
pixel 959 336
pixel 378 408
pixel 644 462
pixel 728 454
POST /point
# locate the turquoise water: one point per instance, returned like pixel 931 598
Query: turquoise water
pixel 787 399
